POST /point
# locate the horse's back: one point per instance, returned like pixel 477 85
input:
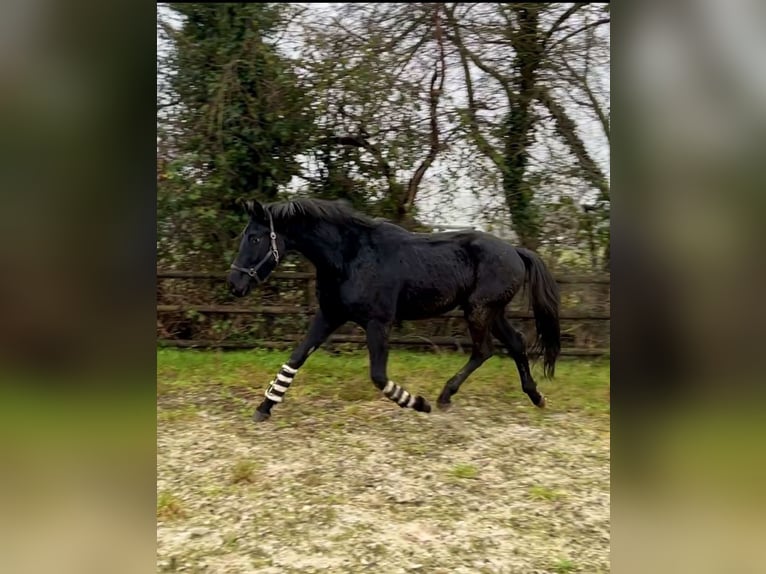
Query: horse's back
pixel 438 272
pixel 463 253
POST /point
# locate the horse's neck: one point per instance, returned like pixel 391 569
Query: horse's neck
pixel 321 244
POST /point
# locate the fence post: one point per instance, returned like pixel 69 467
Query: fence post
pixel 311 293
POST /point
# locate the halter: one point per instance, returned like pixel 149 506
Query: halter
pixel 273 252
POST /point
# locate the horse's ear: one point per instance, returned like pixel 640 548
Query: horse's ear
pixel 254 209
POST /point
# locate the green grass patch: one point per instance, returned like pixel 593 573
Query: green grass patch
pixel 243 471
pixel 169 507
pixel 464 471
pixel 239 378
pixel 186 412
pixel 544 493
pixel 230 541
pixel 563 566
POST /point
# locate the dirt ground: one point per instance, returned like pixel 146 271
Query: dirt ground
pixel 368 487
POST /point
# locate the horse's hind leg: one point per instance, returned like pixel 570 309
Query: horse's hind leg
pixel 517 349
pixel 479 320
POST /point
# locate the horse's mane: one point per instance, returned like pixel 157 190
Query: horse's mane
pixel 331 211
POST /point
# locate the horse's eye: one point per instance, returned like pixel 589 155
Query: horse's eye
pixel 254 239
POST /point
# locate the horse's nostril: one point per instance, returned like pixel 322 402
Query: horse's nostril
pixel 231 283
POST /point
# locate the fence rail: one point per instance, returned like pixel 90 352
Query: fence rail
pixel 304 275
pixel 221 275
pixel 457 343
pixel 303 310
pixel 460 343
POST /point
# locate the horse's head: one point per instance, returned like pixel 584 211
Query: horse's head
pixel 259 251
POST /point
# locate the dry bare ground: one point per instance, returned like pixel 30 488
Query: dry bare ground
pixel 332 486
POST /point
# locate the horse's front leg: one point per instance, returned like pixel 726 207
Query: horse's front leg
pixel 321 328
pixel 377 345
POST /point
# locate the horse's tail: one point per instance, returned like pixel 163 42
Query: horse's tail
pixel 544 300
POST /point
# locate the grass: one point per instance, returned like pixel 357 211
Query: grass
pixel 169 507
pixel 339 436
pixel 240 377
pixel 186 412
pixel 563 566
pixel 544 493
pixel 464 471
pixel 230 541
pixel 243 472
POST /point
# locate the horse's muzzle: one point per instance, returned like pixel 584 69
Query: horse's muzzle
pixel 239 283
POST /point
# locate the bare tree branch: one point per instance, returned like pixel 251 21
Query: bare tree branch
pixel 568 131
pixel 394 42
pixel 581 29
pixel 456 38
pixel 168 104
pixel 484 146
pixel 561 19
pixel 582 81
pixel 434 96
pixel 286 25
pixel 361 142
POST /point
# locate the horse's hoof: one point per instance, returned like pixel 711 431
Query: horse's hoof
pixel 541 402
pixel 259 416
pixel 421 405
pixel 444 406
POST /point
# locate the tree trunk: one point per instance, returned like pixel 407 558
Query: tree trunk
pixel 518 196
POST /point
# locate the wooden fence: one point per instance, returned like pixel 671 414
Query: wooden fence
pixel 304 305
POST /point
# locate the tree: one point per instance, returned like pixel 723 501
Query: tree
pixel 379 74
pixel 506 100
pixel 239 117
pixel 506 53
pixel 577 57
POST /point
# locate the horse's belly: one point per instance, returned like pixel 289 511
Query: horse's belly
pixel 425 306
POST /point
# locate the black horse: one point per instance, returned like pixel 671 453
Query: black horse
pixel 374 273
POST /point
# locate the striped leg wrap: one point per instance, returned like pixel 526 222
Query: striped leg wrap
pixel 397 394
pixel 278 387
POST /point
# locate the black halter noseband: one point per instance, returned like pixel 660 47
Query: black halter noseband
pixel 273 252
